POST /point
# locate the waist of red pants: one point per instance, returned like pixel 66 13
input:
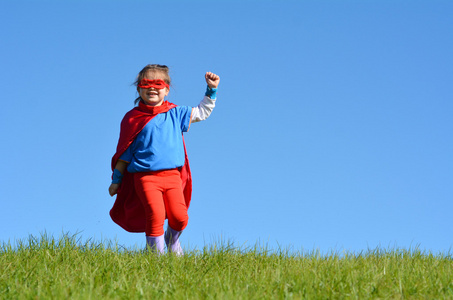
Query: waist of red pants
pixel 162 173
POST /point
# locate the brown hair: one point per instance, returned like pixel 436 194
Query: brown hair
pixel 153 68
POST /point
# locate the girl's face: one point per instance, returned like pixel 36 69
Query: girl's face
pixel 153 96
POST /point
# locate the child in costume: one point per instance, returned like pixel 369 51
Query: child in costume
pixel 151 173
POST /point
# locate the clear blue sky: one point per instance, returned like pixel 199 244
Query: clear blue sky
pixel 333 128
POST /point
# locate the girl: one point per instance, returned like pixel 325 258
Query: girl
pixel 151 174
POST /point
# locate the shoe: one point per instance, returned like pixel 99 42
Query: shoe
pixel 156 244
pixel 172 241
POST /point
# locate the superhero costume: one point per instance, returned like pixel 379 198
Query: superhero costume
pixel 128 211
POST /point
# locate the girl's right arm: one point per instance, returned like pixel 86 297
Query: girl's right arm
pixel 121 167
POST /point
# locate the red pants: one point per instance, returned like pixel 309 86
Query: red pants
pixel 162 196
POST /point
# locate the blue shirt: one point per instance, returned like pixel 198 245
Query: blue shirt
pixel 159 145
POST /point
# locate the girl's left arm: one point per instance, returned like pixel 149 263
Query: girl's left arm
pixel 204 109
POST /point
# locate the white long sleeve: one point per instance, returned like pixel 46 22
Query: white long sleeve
pixel 203 110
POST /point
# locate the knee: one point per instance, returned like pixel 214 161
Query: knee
pixel 179 222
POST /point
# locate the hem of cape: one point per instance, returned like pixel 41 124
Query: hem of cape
pixel 121 224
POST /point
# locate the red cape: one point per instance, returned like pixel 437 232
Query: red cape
pixel 127 211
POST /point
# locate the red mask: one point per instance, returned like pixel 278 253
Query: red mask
pixel 155 83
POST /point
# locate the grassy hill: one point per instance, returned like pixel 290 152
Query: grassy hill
pixel 46 268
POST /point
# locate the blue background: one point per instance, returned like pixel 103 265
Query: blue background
pixel 332 130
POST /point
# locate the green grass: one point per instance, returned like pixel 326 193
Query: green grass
pixel 46 268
